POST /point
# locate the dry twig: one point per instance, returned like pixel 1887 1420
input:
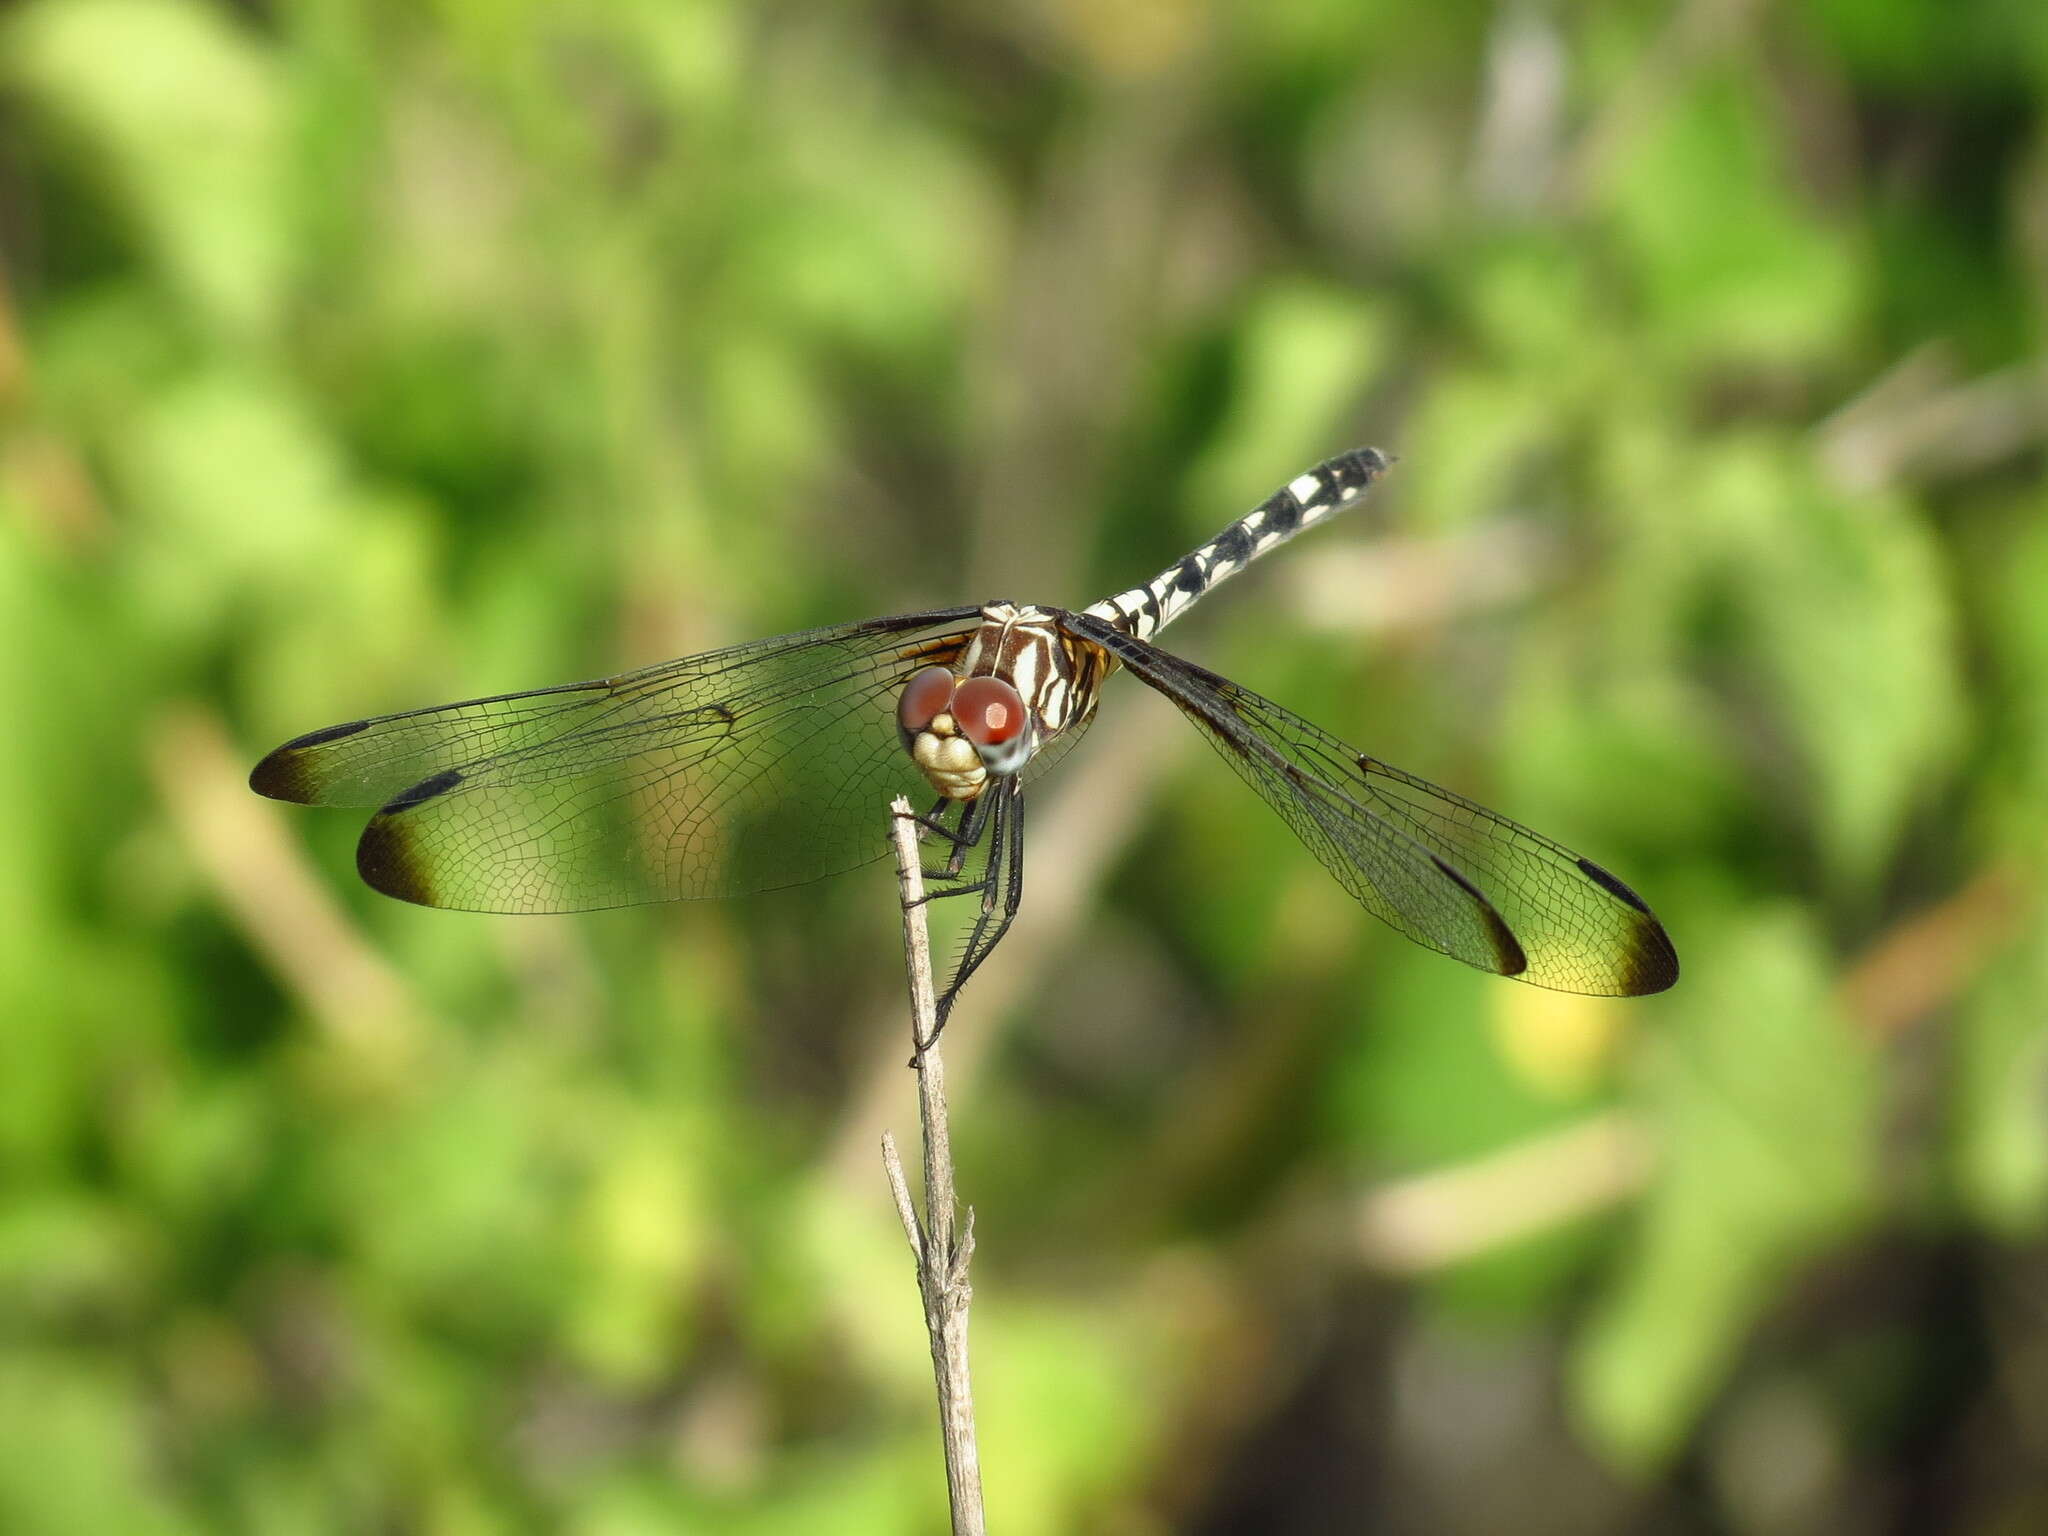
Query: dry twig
pixel 939 1243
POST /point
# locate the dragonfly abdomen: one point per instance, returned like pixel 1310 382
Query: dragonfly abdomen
pixel 1309 498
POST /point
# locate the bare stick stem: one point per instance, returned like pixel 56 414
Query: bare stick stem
pixel 939 1243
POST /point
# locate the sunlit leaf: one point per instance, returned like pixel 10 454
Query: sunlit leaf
pixel 181 111
pixel 1731 268
pixel 1304 351
pixel 1846 613
pixel 2000 1076
pixel 1765 1103
pixel 73 1451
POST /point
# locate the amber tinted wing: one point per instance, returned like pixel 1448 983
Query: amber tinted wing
pixel 1449 874
pixel 744 769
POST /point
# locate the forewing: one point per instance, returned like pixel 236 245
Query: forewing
pixel 742 769
pixel 1446 872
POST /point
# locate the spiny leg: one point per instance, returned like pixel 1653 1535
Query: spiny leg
pixel 1002 891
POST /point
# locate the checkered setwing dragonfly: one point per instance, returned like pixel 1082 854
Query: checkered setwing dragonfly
pixel 770 764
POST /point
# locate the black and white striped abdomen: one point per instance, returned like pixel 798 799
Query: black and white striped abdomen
pixel 1303 502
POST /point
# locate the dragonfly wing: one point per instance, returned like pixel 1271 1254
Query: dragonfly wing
pixel 1446 872
pixel 743 769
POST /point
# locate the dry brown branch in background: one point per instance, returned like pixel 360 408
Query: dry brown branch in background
pixel 262 879
pixel 1449 1215
pixel 1922 962
pixel 940 1244
pixel 1921 422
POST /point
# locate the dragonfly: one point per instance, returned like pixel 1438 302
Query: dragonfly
pixel 769 764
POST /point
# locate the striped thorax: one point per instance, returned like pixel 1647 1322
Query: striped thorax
pixel 1020 683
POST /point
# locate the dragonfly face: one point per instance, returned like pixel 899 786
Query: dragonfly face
pixel 960 732
pixel 1021 682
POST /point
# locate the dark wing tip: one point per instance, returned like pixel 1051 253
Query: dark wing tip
pixel 282 774
pixel 1509 958
pixel 279 777
pixel 1652 964
pixel 387 861
pixel 386 857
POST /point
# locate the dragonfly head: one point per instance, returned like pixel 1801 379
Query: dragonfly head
pixel 959 731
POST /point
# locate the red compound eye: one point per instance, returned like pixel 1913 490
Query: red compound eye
pixel 989 711
pixel 925 696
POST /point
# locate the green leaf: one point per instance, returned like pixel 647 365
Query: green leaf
pixel 2000 1067
pixel 74 1451
pixel 1729 266
pixel 1766 1101
pixel 179 112
pixel 641 1234
pixel 1846 616
pixel 1304 351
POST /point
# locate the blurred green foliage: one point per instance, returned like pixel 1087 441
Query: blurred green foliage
pixel 357 356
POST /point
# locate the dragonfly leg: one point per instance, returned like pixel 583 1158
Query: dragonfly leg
pixel 973 824
pixel 1002 892
pixel 934 822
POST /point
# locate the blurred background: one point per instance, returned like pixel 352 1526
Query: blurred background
pixel 356 356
